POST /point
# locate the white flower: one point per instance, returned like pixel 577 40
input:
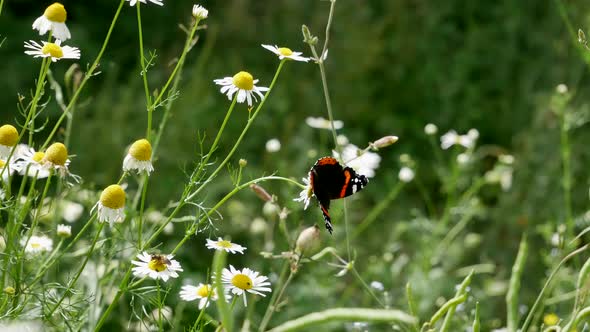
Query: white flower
pixel 452 138
pixel 342 140
pixel 463 158
pixel 54 19
pixel 561 88
pixel 64 230
pixel 244 84
pixel 157 2
pixel 72 211
pixel 430 129
pixel 139 157
pixel 306 194
pixel 205 292
pixel 111 205
pixel 321 123
pixel 228 246
pixel 200 12
pixel 406 174
pixel 30 162
pixel 37 244
pixel 366 163
pixel 377 285
pixel 53 50
pixel 156 266
pixel 7 168
pixel 273 145
pixel 239 282
pixel 473 134
pixel 285 53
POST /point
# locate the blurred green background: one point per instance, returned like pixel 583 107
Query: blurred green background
pixel 393 67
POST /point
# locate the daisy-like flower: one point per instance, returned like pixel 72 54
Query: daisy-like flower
pixel 6 169
pixel 452 138
pixel 139 157
pixel 53 50
pixel 37 244
pixel 204 292
pixel 54 19
pixel 199 12
pixel 8 139
pixel 56 158
pixel 30 162
pixel 239 282
pixel 228 246
pixel 306 194
pixel 244 84
pixel 364 162
pixel 64 230
pixel 321 123
pixel 157 2
pixel 156 266
pixel 111 206
pixel 285 53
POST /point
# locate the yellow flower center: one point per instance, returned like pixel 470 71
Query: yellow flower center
pixel 56 13
pixel 141 150
pixel 2 163
pixel 38 156
pixel 242 281
pixel 204 291
pixel 8 135
pixel 550 319
pixel 224 244
pixel 113 197
pixel 157 265
pixel 285 51
pixel 57 154
pixel 52 49
pixel 244 80
pixel 35 245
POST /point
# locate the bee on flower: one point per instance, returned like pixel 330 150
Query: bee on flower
pixel 156 266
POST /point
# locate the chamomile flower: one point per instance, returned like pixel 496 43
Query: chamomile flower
pixel 37 244
pixel 8 139
pixel 64 230
pixel 306 194
pixel 228 246
pixel 199 12
pixel 321 123
pixel 53 50
pixel 54 19
pixel 156 266
pixel 56 158
pixel 204 292
pixel 239 282
pixel 139 157
pixel 157 2
pixel 111 206
pixel 285 53
pixel 244 84
pixel 30 163
pixel 364 162
pixel 6 169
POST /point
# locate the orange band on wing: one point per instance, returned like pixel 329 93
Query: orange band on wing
pixel 346 180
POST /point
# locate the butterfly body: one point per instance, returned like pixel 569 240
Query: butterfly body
pixel 329 180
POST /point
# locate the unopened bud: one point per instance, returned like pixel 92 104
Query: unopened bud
pixel 308 240
pixel 9 290
pixel 430 129
pixel 384 141
pixel 270 209
pixel 243 162
pixel 260 192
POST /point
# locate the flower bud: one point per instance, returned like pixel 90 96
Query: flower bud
pixel 260 192
pixel 384 141
pixel 243 162
pixel 308 240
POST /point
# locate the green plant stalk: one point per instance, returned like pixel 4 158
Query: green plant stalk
pixel 176 75
pixel 476 324
pixel 566 180
pixel 146 178
pixel 514 285
pixel 244 131
pixel 412 306
pixel 581 283
pixel 38 92
pixel 311 321
pixel 451 186
pixel 450 236
pixel 274 298
pixel 223 308
pixel 571 326
pixel 461 292
pixel 80 269
pixel 87 76
pixel 446 309
pixel 146 87
pixel 377 210
pixel 111 306
pixel 366 287
pixel 541 295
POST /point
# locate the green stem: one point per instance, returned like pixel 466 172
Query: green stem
pixel 514 285
pixel 377 210
pixel 38 91
pixel 89 74
pixel 144 73
pixel 275 295
pixel 567 172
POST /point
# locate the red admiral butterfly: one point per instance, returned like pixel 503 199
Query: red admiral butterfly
pixel 329 180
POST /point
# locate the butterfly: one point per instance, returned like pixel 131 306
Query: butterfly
pixel 329 180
